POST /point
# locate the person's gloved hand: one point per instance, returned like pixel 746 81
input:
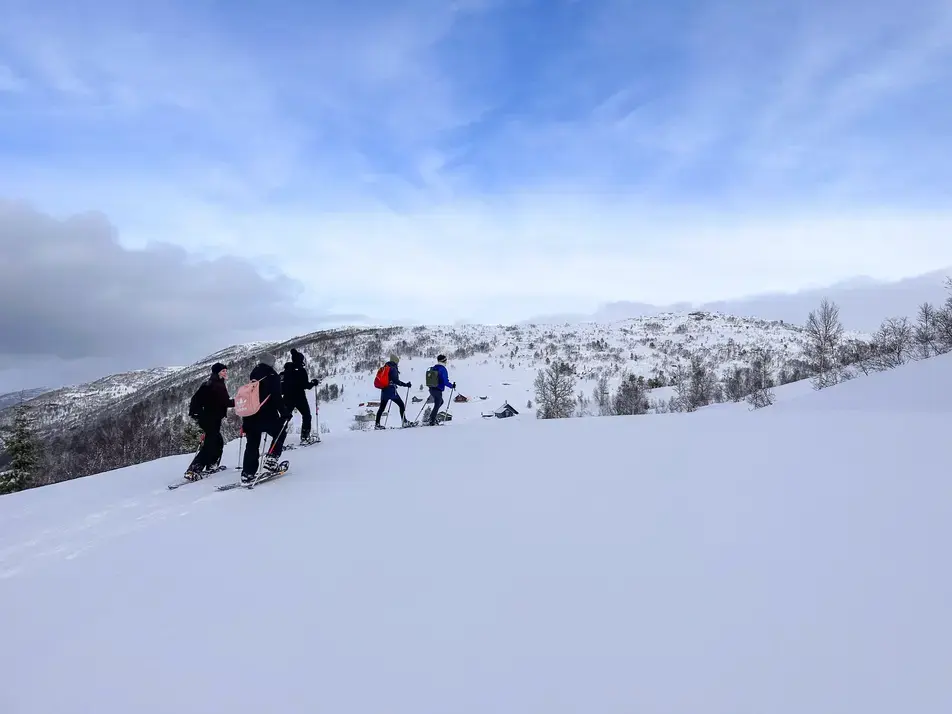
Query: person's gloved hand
pixel 315 382
pixel 409 385
pixel 453 385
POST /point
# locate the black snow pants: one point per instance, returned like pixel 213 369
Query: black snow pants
pixel 299 401
pixel 253 435
pixel 212 446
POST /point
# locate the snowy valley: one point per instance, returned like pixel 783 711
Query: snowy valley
pixel 788 560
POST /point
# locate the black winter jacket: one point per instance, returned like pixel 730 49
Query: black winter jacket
pixel 294 380
pixel 215 400
pixel 274 411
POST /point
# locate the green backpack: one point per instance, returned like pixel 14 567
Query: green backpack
pixel 432 378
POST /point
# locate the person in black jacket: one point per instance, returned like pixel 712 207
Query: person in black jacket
pixel 294 385
pixel 209 407
pixel 272 419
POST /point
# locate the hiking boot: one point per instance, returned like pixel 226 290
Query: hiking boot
pixel 270 463
pixel 247 477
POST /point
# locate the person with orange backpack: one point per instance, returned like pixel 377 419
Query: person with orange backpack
pixel 267 414
pixel 387 381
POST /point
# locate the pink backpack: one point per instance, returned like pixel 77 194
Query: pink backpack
pixel 247 400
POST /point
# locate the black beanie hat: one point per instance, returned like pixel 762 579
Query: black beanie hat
pixel 218 367
pixel 296 356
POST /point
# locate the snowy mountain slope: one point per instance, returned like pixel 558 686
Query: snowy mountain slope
pixel 65 405
pixel 496 362
pixel 11 399
pixel 525 565
pixel 646 346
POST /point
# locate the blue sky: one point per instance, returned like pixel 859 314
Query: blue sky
pixel 489 160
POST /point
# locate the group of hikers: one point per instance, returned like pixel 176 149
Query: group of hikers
pixel 388 379
pixel 272 404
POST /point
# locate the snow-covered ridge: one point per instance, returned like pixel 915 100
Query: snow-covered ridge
pixel 646 346
pixel 11 399
pixel 142 415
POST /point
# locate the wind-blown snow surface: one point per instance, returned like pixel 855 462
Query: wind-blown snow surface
pixel 784 560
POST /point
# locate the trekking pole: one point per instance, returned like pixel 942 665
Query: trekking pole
pixel 449 403
pixel 274 440
pixel 317 416
pixel 421 410
pixel 241 435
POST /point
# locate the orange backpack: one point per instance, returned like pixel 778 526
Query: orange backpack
pixel 382 380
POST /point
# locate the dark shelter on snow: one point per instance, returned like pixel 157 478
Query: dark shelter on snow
pixel 505 411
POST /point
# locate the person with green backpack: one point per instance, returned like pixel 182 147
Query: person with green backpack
pixel 437 380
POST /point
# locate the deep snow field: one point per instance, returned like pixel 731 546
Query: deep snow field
pixel 791 560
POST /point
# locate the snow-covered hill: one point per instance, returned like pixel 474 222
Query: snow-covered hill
pixel 787 560
pixel 69 404
pixel 125 419
pixel 11 399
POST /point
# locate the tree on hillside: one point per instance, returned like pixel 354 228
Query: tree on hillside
pixel 894 341
pixel 601 396
pixel 582 405
pixel 695 386
pixel 631 396
pixel 943 322
pixel 555 390
pixel 760 387
pixel 23 448
pixel 191 436
pixel 926 332
pixel 824 337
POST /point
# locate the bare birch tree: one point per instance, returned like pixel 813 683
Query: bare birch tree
pixel 825 335
pixel 555 391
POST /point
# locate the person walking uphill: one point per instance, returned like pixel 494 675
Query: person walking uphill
pixel 294 386
pixel 388 379
pixel 437 383
pixel 209 406
pixel 271 418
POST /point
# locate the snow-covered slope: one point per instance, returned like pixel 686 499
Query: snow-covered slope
pixel 11 399
pixel 126 419
pixel 66 405
pixel 786 560
pixel 488 354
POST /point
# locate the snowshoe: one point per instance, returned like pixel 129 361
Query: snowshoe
pixel 191 476
pixel 268 474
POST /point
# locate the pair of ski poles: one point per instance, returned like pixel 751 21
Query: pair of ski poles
pixel 406 402
pixel 449 403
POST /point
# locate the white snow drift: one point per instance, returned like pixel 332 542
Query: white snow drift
pixel 788 560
